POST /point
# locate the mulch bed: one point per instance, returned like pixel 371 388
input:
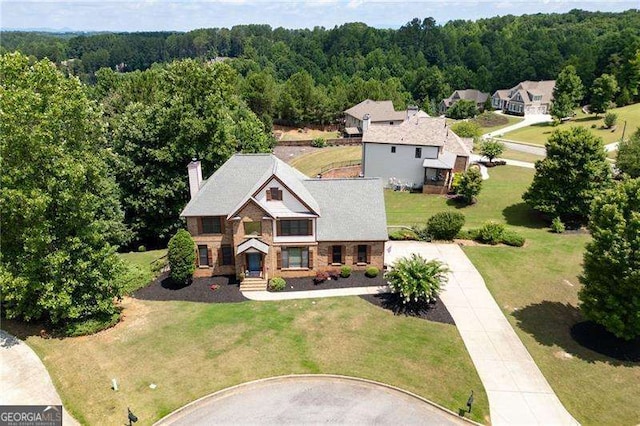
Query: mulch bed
pixel 595 337
pixel 436 311
pixel 356 279
pixel 164 288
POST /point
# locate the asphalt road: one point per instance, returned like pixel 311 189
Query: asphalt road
pixel 311 400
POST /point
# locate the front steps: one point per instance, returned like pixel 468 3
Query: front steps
pixel 253 284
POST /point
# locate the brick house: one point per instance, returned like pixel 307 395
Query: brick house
pixel 257 217
pixel 528 97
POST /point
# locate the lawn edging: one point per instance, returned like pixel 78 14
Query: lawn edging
pixel 289 377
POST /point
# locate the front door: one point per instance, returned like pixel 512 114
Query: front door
pixel 253 264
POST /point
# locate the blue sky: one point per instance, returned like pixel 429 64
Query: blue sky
pixel 184 15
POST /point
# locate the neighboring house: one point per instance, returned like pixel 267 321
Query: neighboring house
pixel 468 94
pixel 422 152
pixel 257 217
pixel 528 97
pixel 380 112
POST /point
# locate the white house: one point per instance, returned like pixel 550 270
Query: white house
pixel 421 152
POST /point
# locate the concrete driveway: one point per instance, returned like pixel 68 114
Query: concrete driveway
pixel 312 400
pixel 528 120
pixel 518 392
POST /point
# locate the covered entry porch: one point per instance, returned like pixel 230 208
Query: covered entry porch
pixel 250 257
pixel 438 173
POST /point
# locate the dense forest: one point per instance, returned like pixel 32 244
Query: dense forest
pixel 298 76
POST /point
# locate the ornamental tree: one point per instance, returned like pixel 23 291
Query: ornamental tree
pixel 491 149
pixel 182 256
pixel 470 185
pixel 416 279
pixel 611 275
pixel 60 214
pixel 568 178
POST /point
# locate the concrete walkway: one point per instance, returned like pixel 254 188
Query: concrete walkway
pixel 518 392
pixel 527 121
pixel 516 163
pixel 313 294
pixel 24 379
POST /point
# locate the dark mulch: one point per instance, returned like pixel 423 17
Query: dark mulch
pixel 356 279
pixel 436 311
pixel 595 337
pixel 164 288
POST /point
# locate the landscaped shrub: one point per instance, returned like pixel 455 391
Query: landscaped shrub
pixel 321 277
pixel 445 225
pixel 416 279
pixel 372 272
pixel 334 275
pixel 402 235
pixel 491 233
pixel 610 119
pixel 142 249
pixel 421 233
pixel 557 226
pixel 512 238
pixel 470 185
pixel 319 143
pixel 345 271
pixel 467 234
pixel 91 325
pixel 182 256
pixel 467 129
pixel 277 284
pixel 455 183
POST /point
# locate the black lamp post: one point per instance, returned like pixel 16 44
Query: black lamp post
pixel 470 402
pixel 132 417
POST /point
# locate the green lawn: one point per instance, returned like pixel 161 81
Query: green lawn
pixel 311 163
pixel 511 120
pixel 536 286
pixel 192 349
pixel 512 154
pixel 141 268
pixel 538 133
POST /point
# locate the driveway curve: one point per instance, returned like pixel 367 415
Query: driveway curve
pixel 312 399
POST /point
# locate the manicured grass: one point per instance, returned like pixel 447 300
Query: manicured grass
pixel 539 133
pixel 311 163
pixel 140 268
pixel 536 286
pixel 192 349
pixel 487 126
pixel 512 154
pixel 295 135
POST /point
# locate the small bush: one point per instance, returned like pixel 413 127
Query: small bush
pixel 455 183
pixel 610 119
pixel 421 233
pixel 277 284
pixel 445 225
pixel 345 271
pixel 402 235
pixel 557 226
pixel 491 233
pixel 89 326
pixel 372 272
pixel 467 234
pixel 320 277
pixel 318 143
pixel 512 238
pixel 182 256
pixel 334 275
pixel 142 249
pixel 593 126
pixel 416 279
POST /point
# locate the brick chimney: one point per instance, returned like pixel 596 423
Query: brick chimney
pixel 411 111
pixel 195 177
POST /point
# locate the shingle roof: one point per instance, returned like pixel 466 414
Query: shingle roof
pixel 446 160
pixel 352 209
pixel 527 89
pixel 348 209
pixel 377 110
pixel 502 94
pixel 468 94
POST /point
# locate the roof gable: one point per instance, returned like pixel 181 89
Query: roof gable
pixel 377 110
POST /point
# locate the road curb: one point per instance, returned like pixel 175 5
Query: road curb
pixel 289 377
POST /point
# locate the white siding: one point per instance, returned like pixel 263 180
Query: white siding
pixel 289 203
pixel 401 165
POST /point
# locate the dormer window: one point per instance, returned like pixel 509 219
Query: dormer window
pixel 274 194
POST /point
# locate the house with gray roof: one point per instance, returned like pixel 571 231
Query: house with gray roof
pixel 420 153
pixel 476 96
pixel 528 97
pixel 379 112
pixel 257 217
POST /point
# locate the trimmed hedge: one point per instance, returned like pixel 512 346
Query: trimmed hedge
pixel 445 225
pixel 372 272
pixel 345 271
pixel 277 284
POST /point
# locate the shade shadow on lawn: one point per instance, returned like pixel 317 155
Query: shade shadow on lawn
pixel 522 214
pixel 555 323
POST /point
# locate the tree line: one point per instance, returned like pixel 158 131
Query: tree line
pixel 311 75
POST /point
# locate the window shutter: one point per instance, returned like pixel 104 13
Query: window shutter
pixel 343 250
pixel 310 259
pixel 220 257
pixel 368 254
pixel 199 225
pixel 279 260
pixel 210 256
pixel 355 254
pixel 221 224
pixel 197 260
pixel 309 227
pixel 330 255
pixel 268 194
pixel 278 228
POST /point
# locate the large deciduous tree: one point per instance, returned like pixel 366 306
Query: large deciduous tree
pixel 611 276
pixel 568 178
pixel 628 160
pixel 567 93
pixel 184 110
pixel 603 90
pixel 60 213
